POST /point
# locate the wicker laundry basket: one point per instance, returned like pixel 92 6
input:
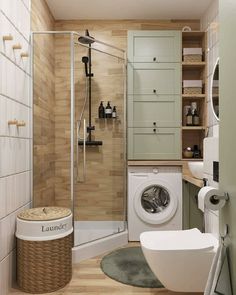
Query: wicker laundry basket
pixel 44 245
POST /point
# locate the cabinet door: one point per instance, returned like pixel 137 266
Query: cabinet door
pixel 154 111
pixel 154 46
pixel 154 143
pixel 157 79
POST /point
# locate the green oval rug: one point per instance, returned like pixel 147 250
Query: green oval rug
pixel 128 266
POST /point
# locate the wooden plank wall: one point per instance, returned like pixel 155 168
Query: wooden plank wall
pixel 102 196
pixel 44 100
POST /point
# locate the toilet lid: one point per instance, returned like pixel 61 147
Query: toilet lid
pixel 184 240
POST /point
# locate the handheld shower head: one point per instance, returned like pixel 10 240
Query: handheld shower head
pixel 85 59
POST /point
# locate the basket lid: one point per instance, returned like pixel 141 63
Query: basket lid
pixel 44 213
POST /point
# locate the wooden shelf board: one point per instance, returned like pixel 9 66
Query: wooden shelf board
pixel 192 159
pixel 193 34
pixel 200 64
pixel 195 96
pixel 193 127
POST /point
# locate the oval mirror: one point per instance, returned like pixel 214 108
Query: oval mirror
pixel 215 90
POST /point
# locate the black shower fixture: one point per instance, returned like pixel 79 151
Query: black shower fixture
pixel 87 60
pixel 85 40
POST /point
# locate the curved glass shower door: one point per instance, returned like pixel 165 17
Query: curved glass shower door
pixel 99 196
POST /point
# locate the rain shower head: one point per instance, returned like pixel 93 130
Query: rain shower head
pixel 85 40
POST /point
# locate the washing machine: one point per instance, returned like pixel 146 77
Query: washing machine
pixel 154 199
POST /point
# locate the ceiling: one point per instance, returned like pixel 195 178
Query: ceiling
pixel 127 9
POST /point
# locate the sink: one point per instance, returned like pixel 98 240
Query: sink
pixel 196 168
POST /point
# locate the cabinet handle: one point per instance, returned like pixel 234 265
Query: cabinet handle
pixel 7 37
pixel 12 122
pixel 154 91
pixel 154 58
pixel 21 124
pixel 154 123
pixel 154 130
pixel 24 54
pixel 16 46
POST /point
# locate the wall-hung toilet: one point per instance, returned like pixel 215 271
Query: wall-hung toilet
pixel 181 260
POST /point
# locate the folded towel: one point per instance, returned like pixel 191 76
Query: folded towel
pixel 218 281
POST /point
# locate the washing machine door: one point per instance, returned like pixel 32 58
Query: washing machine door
pixel 155 201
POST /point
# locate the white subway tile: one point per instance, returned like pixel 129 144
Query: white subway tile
pixel 27 3
pixel 7 232
pixel 3 198
pixel 15 82
pixel 14 154
pixel 7 273
pixel 18 14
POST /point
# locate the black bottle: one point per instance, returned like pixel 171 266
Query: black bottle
pixel 189 118
pixel 114 113
pixel 196 152
pixel 195 118
pixel 108 110
pixel 101 111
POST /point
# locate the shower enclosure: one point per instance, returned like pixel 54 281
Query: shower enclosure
pixel 80 159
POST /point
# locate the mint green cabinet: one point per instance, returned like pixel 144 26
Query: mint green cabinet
pixel 154 46
pixel 154 143
pixel 154 95
pixel 192 216
pixel 145 78
pixel 154 110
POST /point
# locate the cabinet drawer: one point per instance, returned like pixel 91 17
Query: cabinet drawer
pixel 144 78
pixel 154 46
pixel 163 111
pixel 147 144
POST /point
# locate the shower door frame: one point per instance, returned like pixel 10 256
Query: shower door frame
pixel 72 108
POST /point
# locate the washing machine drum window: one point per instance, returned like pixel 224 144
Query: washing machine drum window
pixel 155 199
pixel 155 203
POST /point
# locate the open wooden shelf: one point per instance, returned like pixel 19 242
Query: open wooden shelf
pixel 194 65
pixel 192 159
pixel 194 96
pixel 193 34
pixel 193 128
pixel 194 135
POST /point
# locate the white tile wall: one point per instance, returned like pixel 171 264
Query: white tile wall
pixel 210 24
pixel 15 141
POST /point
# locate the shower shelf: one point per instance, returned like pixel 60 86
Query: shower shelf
pixel 108 120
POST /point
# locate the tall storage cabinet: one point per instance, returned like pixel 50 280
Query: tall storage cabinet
pixel 154 95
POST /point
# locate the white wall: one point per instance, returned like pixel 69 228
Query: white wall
pixel 210 24
pixel 15 142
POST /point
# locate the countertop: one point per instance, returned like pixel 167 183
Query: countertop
pixel 187 176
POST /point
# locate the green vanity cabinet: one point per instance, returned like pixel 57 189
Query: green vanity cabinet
pixel 192 216
pixel 151 78
pixel 154 95
pixel 154 46
pixel 154 143
pixel 154 111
